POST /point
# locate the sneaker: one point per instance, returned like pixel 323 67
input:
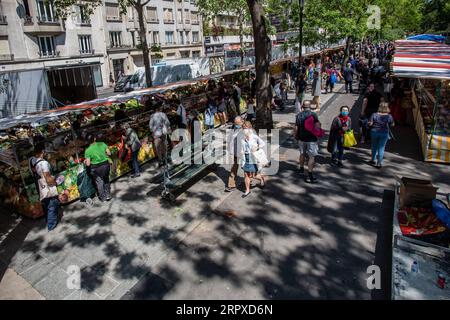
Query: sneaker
pixel 246 194
pixel 340 164
pixel 228 189
pixel 378 166
pixel 310 178
pixel 372 163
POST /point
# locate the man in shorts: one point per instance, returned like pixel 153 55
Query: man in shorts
pixel 307 141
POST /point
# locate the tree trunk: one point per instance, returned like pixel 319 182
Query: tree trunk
pixel 347 51
pixel 145 51
pixel 262 65
pixel 241 37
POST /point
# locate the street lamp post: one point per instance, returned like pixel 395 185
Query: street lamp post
pixel 301 4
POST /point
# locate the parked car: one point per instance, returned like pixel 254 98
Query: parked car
pixel 121 83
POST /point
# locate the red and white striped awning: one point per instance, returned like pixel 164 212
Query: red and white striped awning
pixel 421 59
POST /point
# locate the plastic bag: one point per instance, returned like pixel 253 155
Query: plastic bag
pixel 85 186
pixel 349 139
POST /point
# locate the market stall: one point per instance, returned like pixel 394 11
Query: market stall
pixel 65 143
pixel 420 242
pixel 428 64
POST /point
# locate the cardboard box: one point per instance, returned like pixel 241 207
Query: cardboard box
pixel 416 193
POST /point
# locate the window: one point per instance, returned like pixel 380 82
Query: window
pixel 168 15
pixel 169 37
pixel 185 54
pixel 194 17
pixel 83 16
pixel 196 54
pixel 97 71
pixel 112 12
pixel 152 15
pixel 187 16
pixel 195 37
pixel 155 37
pixel 171 55
pixel 155 59
pixel 46 11
pixel 115 38
pixel 131 13
pixel 187 37
pixel 181 37
pixel 179 16
pixel 133 39
pixel 85 44
pixel 47 46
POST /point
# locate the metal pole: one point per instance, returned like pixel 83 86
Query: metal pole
pixel 301 4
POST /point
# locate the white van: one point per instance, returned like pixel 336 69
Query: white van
pixel 165 72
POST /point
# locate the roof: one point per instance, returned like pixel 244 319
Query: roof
pixel 421 59
pixel 429 37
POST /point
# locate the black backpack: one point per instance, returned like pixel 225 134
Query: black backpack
pixel 300 123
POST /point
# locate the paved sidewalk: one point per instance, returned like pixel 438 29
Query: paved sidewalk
pixel 294 240
pixel 288 240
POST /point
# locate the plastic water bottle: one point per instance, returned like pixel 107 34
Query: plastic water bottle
pixel 415 267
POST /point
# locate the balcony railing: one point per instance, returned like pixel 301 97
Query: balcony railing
pixel 114 19
pixel 119 46
pixel 84 22
pixel 48 54
pixel 87 52
pixel 28 20
pixel 47 19
pixel 169 21
pixel 195 22
pixel 152 20
pixel 187 21
pixel 3 20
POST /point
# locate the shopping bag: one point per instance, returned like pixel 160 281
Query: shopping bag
pixel 349 139
pixel 124 152
pixel 260 158
pixel 85 186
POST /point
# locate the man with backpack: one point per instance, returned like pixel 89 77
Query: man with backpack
pixel 46 184
pixel 307 137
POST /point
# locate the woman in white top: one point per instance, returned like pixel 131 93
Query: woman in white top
pixel 250 143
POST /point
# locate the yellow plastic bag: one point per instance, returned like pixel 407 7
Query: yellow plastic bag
pixel 349 139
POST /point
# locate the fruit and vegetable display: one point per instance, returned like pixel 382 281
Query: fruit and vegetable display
pixel 419 221
pixel 64 132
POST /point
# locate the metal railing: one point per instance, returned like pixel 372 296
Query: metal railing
pixel 119 46
pixel 113 19
pixel 49 54
pixel 152 20
pixel 187 21
pixel 169 21
pixel 84 22
pixel 87 52
pixel 47 19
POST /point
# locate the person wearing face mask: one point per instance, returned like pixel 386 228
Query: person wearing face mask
pixel 339 126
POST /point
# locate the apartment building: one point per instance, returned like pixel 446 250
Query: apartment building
pixel 222 35
pixel 48 61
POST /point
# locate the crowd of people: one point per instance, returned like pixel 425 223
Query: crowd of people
pixel 245 147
